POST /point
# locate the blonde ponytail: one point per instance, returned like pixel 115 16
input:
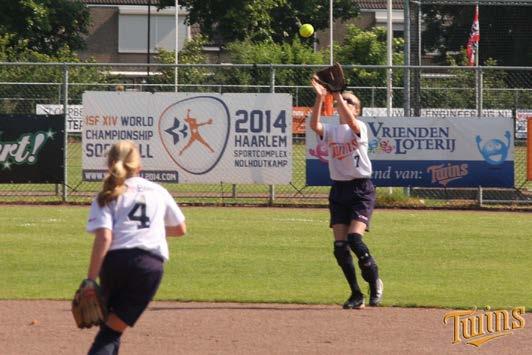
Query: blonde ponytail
pixel 123 161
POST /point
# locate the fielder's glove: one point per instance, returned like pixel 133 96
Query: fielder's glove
pixel 332 78
pixel 88 307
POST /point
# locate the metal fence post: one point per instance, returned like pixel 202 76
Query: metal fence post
pixel 271 197
pixel 65 112
pixel 406 73
pixel 479 90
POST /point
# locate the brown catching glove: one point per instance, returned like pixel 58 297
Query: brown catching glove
pixel 88 307
pixel 332 78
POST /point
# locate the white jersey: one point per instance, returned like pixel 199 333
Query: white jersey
pixel 348 152
pixel 138 217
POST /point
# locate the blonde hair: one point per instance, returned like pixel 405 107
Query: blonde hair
pixel 123 161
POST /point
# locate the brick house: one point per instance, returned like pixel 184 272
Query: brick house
pixel 119 30
pixel 372 13
pixel 119 33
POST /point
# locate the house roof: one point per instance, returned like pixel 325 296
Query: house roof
pixel 120 2
pixel 364 4
pixel 379 4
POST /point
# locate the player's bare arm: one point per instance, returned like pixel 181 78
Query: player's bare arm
pixel 315 123
pixel 176 231
pixel 102 242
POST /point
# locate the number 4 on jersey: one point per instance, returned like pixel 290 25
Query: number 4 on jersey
pixel 138 213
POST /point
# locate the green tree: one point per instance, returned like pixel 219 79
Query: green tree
pixel 188 77
pixel 38 83
pixel 505 33
pixel 368 47
pixel 237 78
pixel 267 52
pixel 295 52
pixel 457 89
pixel 45 25
pixel 261 20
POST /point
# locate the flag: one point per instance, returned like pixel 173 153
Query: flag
pixel 474 39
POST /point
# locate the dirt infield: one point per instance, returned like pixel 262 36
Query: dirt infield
pixel 46 327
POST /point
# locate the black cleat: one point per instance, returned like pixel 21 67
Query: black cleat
pixel 375 291
pixel 354 302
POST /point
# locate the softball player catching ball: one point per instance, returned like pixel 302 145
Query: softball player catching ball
pixel 130 218
pixel 352 195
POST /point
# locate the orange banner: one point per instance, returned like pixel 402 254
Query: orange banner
pixel 299 115
pixel 529 149
pixel 327 109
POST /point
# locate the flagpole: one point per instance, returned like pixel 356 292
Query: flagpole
pixel 474 38
pixel 176 42
pixel 331 23
pixel 479 80
pixel 477 10
pixel 389 60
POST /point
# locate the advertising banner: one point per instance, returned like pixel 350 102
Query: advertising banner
pixel 521 117
pixel 429 152
pixel 436 112
pixel 74 115
pixel 32 149
pixel 529 150
pixel 192 137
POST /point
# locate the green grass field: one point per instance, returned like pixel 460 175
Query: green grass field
pixel 427 258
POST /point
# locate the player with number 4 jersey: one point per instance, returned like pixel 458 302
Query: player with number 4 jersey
pixel 139 217
pixel 131 218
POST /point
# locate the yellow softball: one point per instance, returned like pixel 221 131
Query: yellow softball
pixel 306 30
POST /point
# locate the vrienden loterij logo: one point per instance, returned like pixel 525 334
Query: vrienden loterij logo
pixel 478 327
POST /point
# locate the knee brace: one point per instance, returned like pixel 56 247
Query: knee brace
pixel 357 245
pixel 345 261
pixel 368 266
pixel 342 254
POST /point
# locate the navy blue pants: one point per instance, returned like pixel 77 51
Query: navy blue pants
pixel 351 200
pixel 129 279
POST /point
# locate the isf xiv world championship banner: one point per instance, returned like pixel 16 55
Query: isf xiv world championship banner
pixel 192 137
pixel 429 152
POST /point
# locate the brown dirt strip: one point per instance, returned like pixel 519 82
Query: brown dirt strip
pixel 47 327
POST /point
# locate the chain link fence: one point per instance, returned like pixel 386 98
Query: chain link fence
pixel 26 88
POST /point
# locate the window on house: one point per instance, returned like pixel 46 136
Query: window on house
pixel 381 20
pixel 133 29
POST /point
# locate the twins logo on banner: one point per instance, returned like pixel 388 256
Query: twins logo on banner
pixel 202 134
